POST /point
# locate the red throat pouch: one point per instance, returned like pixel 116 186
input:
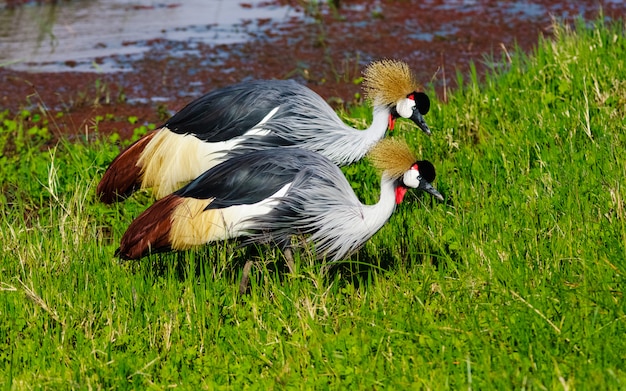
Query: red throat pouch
pixel 400 192
pixel 392 122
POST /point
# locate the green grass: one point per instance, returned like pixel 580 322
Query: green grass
pixel 515 282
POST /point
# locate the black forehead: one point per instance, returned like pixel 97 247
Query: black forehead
pixel 426 169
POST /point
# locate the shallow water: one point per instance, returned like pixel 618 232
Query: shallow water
pixel 108 35
pixel 73 34
pixel 83 56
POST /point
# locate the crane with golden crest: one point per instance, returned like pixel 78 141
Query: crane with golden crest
pixel 273 195
pixel 259 115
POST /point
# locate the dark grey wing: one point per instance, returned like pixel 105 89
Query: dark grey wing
pixel 250 178
pixel 231 111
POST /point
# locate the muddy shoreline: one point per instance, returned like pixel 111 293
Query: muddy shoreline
pixel 326 51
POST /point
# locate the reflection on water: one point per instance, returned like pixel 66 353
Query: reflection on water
pixel 108 35
pixel 72 34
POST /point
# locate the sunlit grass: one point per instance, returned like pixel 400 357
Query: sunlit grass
pixel 515 281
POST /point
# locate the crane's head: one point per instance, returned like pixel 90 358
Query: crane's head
pixel 391 83
pixel 395 159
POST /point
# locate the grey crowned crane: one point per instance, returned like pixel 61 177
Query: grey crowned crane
pixel 258 115
pixel 270 196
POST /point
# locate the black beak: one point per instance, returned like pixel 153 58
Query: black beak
pixel 422 107
pixel 419 121
pixel 427 187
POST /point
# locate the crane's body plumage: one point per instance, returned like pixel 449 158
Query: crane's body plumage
pixel 246 117
pixel 267 196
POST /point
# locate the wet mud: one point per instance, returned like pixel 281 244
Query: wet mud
pixel 320 45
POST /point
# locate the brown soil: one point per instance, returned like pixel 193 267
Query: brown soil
pixel 327 52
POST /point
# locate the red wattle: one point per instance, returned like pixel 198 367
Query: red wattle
pixel 392 122
pixel 400 192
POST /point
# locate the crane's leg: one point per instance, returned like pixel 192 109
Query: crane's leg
pixel 245 278
pixel 247 267
pixel 288 253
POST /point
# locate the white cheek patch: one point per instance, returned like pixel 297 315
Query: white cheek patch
pixel 405 107
pixel 411 179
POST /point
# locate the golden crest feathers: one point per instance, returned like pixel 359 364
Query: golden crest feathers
pixel 387 81
pixel 392 156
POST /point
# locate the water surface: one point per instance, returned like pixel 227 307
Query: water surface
pixel 52 37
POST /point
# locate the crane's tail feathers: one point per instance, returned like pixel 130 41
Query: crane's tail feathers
pixel 123 177
pixel 150 232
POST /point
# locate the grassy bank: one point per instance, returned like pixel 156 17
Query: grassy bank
pixel 516 281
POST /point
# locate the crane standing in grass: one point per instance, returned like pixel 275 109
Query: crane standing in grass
pixel 270 196
pixel 258 115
